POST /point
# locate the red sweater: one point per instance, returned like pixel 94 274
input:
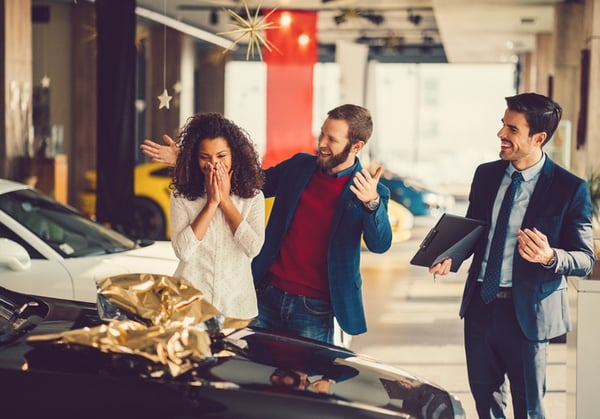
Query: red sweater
pixel 301 267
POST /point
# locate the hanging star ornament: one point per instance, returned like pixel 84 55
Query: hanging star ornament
pixel 45 82
pixel 164 100
pixel 251 28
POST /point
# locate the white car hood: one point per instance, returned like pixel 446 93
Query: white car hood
pixel 158 250
pixel 157 258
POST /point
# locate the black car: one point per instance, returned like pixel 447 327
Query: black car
pixel 253 373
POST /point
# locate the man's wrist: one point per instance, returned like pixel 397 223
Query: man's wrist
pixel 551 260
pixel 373 204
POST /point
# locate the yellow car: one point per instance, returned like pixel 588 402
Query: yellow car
pixel 151 201
pixel 151 204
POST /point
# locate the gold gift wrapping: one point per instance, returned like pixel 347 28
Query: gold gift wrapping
pixel 175 334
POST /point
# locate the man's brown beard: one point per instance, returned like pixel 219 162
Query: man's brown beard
pixel 334 160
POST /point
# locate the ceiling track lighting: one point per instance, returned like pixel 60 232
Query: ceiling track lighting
pixel 214 18
pixel 346 15
pixel 414 18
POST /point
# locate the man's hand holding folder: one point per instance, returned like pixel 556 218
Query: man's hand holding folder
pixel 442 268
pixel 448 244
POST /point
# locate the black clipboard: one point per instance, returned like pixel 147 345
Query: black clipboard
pixel 452 237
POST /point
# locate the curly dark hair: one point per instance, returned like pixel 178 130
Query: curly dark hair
pixel 247 174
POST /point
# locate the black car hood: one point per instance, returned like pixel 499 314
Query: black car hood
pixel 254 374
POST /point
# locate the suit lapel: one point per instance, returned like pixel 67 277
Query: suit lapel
pixel 541 191
pixel 297 185
pixel 490 188
pixel 346 200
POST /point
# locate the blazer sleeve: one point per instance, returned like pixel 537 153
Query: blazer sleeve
pixel 377 230
pixel 574 251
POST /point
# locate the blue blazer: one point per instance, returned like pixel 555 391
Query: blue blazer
pixel 351 221
pixel 561 208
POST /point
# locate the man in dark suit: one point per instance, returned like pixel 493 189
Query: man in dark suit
pixel 308 270
pixel 515 296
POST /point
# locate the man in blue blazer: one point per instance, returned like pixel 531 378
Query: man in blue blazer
pixel 308 270
pixel 515 297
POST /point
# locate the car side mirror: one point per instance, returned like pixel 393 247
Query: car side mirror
pixel 13 255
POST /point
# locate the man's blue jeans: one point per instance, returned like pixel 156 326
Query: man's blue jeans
pixel 304 316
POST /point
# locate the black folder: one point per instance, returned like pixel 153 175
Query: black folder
pixel 452 237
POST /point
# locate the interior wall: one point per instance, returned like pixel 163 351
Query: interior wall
pixel 16 87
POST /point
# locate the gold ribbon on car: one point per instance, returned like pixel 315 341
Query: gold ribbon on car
pixel 161 318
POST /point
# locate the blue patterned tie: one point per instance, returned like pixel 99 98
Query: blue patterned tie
pixel 491 279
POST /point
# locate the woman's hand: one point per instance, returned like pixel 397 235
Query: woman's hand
pixel 223 179
pixel 213 190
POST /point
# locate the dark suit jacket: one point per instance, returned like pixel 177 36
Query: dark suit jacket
pixel 351 221
pixel 561 208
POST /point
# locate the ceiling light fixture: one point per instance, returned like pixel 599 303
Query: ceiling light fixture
pixel 339 19
pixel 373 18
pixel 214 18
pixel 347 15
pixel 414 18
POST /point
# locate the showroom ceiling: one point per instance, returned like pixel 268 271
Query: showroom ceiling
pixel 456 31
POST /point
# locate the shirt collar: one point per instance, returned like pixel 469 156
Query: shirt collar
pixel 347 171
pixel 530 172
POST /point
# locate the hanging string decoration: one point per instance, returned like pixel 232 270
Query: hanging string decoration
pixel 164 99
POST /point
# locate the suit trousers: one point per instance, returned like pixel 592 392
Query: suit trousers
pixel 496 348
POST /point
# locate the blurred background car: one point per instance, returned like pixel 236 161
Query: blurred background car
pixel 50 249
pixel 151 204
pixel 416 196
pixel 244 373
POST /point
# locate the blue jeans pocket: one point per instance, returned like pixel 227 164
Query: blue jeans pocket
pixel 317 307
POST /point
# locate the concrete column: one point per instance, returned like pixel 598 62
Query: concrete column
pixel 210 79
pixel 186 85
pixel 568 42
pixel 16 131
pixel 591 150
pixel 527 71
pixel 544 63
pixel 82 102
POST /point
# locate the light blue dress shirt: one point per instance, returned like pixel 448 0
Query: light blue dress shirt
pixel 522 197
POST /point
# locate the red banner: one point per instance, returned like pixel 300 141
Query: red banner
pixel 290 65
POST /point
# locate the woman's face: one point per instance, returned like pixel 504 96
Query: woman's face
pixel 212 151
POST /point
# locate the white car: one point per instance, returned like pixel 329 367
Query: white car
pixel 49 249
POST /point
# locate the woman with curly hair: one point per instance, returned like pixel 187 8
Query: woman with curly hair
pixel 218 212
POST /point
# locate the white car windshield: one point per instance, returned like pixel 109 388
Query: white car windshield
pixel 68 232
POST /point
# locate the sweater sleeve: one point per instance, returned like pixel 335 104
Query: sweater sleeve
pixel 250 234
pixel 183 239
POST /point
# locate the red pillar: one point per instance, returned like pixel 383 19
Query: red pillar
pixel 290 84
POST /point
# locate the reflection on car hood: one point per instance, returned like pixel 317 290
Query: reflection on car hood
pixel 155 250
pixel 253 374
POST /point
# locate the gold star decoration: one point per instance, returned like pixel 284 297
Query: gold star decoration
pixel 164 100
pixel 251 27
pixel 45 82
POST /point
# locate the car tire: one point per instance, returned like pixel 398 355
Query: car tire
pixel 149 221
